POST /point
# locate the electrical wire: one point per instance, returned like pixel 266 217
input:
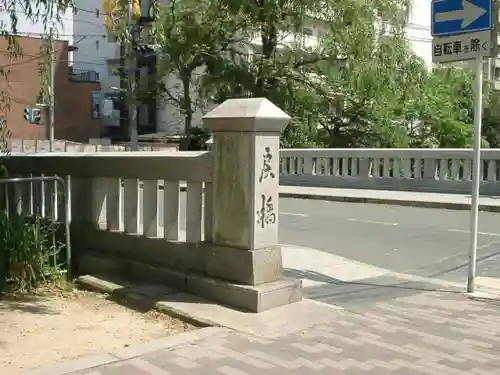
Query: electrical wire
pixel 32 57
pixel 63 18
pixel 97 12
pixel 25 33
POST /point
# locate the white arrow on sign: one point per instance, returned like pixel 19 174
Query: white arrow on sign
pixel 468 14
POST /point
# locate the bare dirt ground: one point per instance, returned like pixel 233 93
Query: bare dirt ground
pixel 42 330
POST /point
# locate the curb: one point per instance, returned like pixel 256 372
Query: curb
pixel 389 201
pixel 123 354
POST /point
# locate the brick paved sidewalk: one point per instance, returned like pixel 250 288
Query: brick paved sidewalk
pixel 429 333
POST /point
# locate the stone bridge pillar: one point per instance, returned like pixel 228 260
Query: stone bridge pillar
pixel 246 140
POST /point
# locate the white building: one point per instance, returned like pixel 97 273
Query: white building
pixel 419 30
pixel 96 52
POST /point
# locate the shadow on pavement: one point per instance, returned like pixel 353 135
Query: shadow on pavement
pixel 366 291
pixel 463 265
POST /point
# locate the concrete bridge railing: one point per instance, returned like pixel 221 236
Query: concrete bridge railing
pixel 425 170
pixel 221 244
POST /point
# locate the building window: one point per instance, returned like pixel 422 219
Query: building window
pixel 97 12
pixel 146 10
pixel 307 31
pixel 97 45
pixel 497 74
pixel 96 104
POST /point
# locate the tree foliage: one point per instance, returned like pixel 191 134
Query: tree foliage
pixel 491 120
pixel 192 34
pixel 355 83
pixel 442 114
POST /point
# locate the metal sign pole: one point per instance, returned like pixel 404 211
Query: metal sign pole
pixel 466 30
pixel 476 170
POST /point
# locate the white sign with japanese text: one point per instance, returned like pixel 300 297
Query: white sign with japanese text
pixel 464 47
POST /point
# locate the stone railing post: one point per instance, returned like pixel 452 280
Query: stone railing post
pixel 246 140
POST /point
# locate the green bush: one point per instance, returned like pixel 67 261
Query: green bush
pixel 30 252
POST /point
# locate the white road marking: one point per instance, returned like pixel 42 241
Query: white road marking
pixel 372 222
pixel 488 245
pixel 293 214
pixel 480 233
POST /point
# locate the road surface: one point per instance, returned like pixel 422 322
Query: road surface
pixel 425 242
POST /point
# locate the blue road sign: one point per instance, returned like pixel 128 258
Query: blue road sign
pixel 453 17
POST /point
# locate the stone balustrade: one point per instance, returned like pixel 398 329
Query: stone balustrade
pixel 136 193
pixel 32 146
pixel 127 219
pixel 425 170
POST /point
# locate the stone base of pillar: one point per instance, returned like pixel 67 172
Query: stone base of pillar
pixel 249 298
pixel 247 267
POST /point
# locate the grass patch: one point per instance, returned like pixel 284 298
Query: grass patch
pixel 32 253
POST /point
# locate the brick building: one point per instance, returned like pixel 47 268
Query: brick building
pixel 20 86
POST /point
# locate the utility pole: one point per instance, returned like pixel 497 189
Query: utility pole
pixel 131 69
pixel 52 74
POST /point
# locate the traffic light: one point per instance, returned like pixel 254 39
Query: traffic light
pixel 28 115
pixel 33 115
pixel 36 115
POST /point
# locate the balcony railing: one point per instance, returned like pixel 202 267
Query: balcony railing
pixel 83 76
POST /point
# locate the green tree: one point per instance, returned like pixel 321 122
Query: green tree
pixel 334 89
pixel 369 95
pixel 355 84
pixel 192 35
pixel 442 114
pixel 491 120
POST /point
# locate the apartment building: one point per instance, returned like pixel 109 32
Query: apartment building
pixel 100 52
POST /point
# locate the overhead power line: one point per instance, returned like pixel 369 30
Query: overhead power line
pixel 32 57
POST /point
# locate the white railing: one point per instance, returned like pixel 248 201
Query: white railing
pixel 131 193
pixel 433 170
pixel 128 216
pixel 40 145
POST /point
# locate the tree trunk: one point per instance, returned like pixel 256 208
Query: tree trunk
pixel 269 37
pixel 188 110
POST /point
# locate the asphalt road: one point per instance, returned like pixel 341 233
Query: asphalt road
pixel 425 242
